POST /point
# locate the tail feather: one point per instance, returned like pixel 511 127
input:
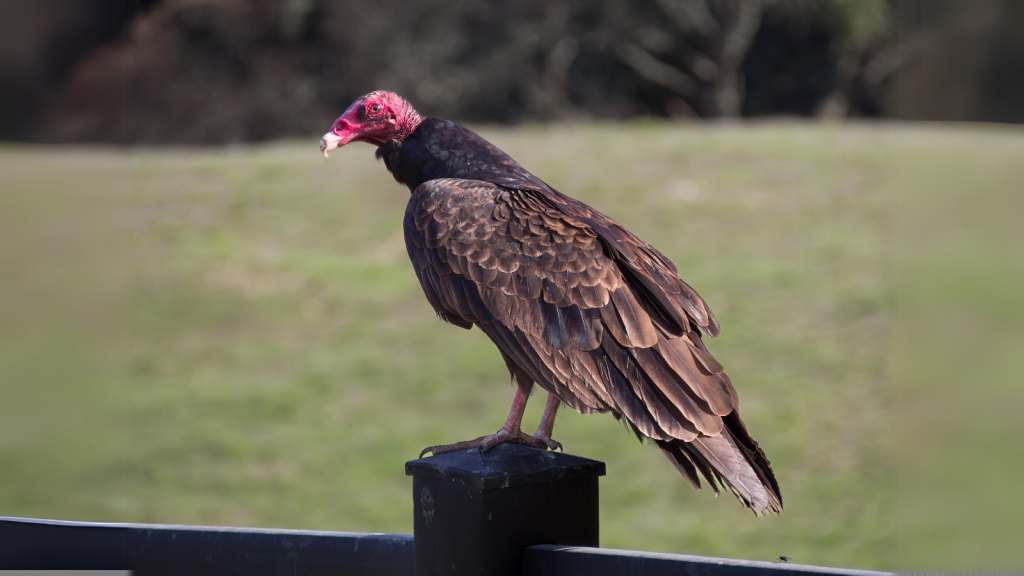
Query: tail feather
pixel 734 460
pixel 754 454
pixel 677 456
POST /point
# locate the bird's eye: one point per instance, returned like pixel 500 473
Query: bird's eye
pixel 375 109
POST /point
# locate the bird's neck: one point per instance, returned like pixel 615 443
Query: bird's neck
pixel 438 148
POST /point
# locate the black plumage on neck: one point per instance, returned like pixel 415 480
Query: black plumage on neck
pixel 442 149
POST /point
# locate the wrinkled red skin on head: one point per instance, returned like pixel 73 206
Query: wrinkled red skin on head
pixel 362 122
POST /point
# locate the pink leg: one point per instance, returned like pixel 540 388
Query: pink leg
pixel 547 422
pixel 510 432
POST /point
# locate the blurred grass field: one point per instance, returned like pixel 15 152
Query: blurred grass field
pixel 234 336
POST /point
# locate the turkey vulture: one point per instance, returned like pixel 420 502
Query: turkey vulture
pixel 575 302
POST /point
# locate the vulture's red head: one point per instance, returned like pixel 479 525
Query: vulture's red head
pixel 376 118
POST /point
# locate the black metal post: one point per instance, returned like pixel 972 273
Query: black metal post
pixel 474 512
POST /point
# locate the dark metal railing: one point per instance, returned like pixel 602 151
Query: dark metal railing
pixel 31 544
pixel 514 511
pixel 551 560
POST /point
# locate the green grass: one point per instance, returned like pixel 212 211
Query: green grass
pixel 250 347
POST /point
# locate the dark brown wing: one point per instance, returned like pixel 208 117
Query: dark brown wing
pixel 564 308
pixel 670 301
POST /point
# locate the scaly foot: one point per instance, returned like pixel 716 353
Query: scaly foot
pixel 487 442
pixel 551 444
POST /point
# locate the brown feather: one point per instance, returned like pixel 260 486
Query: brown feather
pixel 734 468
pixel 711 389
pixel 681 461
pixel 644 390
pixel 707 361
pixel 579 328
pixel 554 325
pixel 636 322
pixel 694 410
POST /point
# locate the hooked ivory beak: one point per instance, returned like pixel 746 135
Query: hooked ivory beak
pixel 329 142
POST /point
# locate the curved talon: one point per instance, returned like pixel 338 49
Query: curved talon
pixel 549 443
pixel 445 448
pixel 505 436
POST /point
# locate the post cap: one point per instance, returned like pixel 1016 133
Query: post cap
pixel 503 466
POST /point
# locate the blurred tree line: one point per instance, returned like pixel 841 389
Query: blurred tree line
pixel 207 71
